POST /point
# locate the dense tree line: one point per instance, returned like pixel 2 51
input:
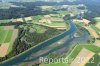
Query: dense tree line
pixel 36 38
pixel 27 9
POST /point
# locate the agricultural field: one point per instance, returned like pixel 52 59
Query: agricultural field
pixel 29 30
pixel 97 19
pixel 51 20
pixel 5 35
pixel 78 48
pixel 96 61
pixel 62 12
pixel 5 21
pixel 96 26
pixel 96 29
pixel 5 40
pixel 75 51
pixel 55 64
pixel 90 47
pixel 30 34
pixel 46 7
pixel 9 35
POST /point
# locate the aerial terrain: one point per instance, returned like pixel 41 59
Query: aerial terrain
pixel 49 33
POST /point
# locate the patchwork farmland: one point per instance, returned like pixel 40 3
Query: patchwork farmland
pixel 6 41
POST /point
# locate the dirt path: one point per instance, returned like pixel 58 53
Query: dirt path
pixel 92 32
pixel 15 35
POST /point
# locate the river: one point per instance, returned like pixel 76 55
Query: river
pixel 35 49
